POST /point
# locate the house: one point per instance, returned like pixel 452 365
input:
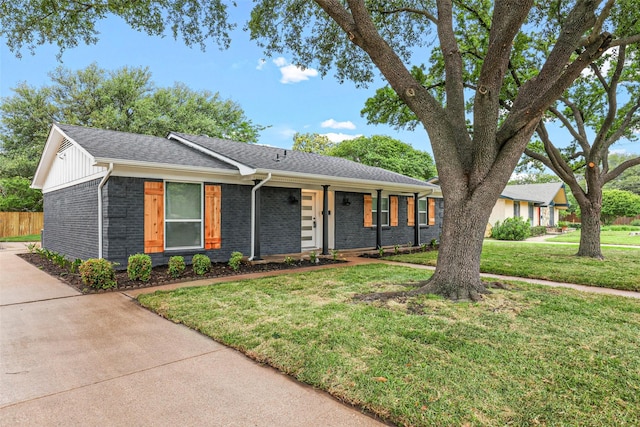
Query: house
pixel 539 203
pixel 112 194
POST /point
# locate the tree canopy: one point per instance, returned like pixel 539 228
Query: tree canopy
pixel 125 99
pixel 387 153
pixel 619 203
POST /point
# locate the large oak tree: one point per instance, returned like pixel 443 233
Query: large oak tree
pixel 475 154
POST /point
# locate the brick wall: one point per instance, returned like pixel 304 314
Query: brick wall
pixel 351 232
pixel 71 221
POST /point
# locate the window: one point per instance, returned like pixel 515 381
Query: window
pixel 384 212
pixel 183 219
pixel 516 209
pixel 422 212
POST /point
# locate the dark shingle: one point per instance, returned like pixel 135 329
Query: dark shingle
pixel 117 145
pixel 271 158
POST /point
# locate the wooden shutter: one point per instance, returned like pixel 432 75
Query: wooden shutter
pixel 393 211
pixel 153 217
pixel 411 213
pixel 212 202
pixel 368 216
pixel 431 209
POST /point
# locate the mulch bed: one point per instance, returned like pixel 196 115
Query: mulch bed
pixel 160 275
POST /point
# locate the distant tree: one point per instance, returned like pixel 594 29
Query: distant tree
pixel 312 143
pixel 629 180
pixel 16 195
pixel 619 203
pixel 387 153
pixel 533 178
pixel 125 100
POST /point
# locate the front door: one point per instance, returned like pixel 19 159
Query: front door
pixel 308 228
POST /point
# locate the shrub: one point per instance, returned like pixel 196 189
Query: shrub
pixel 635 223
pixel 98 274
pixel 201 264
pixel 538 230
pixel 176 266
pixel 334 254
pixel 235 260
pixel 313 257
pixel 515 228
pixel 139 267
pixel 289 261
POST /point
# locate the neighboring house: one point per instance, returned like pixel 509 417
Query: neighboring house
pixel 113 194
pixel 539 203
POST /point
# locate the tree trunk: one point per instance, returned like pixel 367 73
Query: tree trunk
pixel 457 274
pixel 590 228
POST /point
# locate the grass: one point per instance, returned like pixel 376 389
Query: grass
pixel 619 270
pixel 525 356
pixel 607 237
pixel 27 238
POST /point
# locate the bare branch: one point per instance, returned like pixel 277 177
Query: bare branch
pixel 421 12
pixel 626 41
pixel 620 168
pixel 597 27
pixel 579 136
pixel 612 97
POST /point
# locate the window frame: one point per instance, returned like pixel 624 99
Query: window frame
pixel 167 220
pixel 374 211
pixel 426 211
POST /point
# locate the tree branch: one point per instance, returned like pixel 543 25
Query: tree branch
pixel 577 135
pixel 599 142
pixel 422 12
pixel 620 168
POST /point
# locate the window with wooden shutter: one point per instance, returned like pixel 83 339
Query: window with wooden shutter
pixel 368 215
pixel 393 211
pixel 411 212
pixel 432 211
pixel 153 217
pixel 212 205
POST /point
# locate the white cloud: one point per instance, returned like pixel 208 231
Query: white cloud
pixel 292 73
pixel 339 137
pixel 338 125
pixel 280 61
pixel 261 63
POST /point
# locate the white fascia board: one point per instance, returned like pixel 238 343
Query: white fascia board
pixel 56 136
pixel 182 174
pixel 242 168
pixel 104 161
pixel 364 184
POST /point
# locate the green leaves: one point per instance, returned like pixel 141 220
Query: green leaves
pixel 617 203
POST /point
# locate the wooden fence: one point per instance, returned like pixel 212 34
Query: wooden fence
pixel 20 223
pixel 623 220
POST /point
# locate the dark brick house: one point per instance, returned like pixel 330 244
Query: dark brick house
pixel 113 194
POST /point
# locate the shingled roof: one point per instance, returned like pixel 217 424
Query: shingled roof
pixel 180 150
pixel 536 193
pixel 271 159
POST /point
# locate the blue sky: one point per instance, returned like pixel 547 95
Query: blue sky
pixel 271 91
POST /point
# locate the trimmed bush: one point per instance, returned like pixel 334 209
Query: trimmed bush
pixel 635 223
pixel 515 228
pixel 235 260
pixel 176 266
pixel 538 230
pixel 201 264
pixel 139 267
pixel 98 274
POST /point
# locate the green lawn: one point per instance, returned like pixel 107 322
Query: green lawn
pixel 27 238
pixel 619 270
pixel 525 356
pixel 607 237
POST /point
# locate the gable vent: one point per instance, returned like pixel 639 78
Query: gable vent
pixel 64 145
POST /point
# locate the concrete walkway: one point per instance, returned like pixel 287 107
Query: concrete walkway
pixel 70 359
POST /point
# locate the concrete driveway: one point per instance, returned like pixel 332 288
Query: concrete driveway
pixel 70 359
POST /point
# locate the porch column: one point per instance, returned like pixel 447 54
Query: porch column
pixel 325 220
pixel 256 242
pixel 416 221
pixel 379 220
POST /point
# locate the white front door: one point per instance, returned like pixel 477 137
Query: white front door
pixel 308 218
